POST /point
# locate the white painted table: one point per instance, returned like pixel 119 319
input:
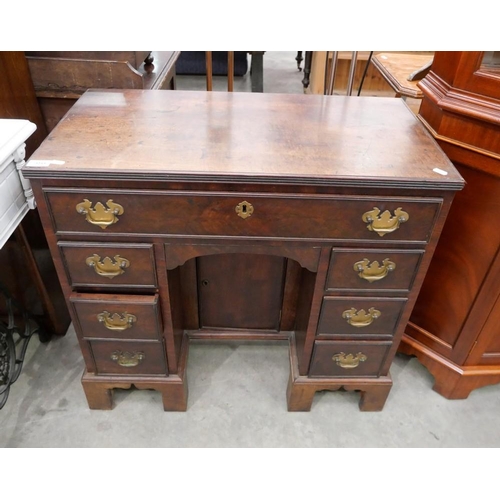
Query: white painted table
pixel 16 196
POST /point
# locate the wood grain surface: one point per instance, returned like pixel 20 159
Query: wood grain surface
pixel 220 136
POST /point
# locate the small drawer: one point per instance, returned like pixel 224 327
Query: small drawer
pixel 242 214
pixel 348 359
pixel 355 316
pixel 373 270
pixel 116 357
pixel 117 316
pixel 110 266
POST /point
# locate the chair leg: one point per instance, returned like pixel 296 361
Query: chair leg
pixel 230 71
pixel 208 63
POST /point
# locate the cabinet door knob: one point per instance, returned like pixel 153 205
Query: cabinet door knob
pixel 115 321
pixel 108 267
pixel 99 215
pixel 348 361
pixel 361 318
pixel 385 223
pixel 373 271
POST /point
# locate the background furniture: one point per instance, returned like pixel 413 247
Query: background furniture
pixel 28 272
pixel 221 219
pixel 307 67
pixel 381 77
pixel 320 65
pixel 60 78
pixel 16 194
pixel 397 68
pixel 454 329
pixel 196 63
pixel 230 70
pixel 16 199
pixel 331 74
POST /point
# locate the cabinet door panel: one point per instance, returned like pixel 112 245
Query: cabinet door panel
pixel 241 291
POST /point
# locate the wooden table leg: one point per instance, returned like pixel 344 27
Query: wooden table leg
pixel 299 59
pixel 307 70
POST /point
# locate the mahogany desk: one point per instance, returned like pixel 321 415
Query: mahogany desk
pixel 174 216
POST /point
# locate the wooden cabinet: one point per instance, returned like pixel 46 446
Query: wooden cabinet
pixel 182 216
pixel 454 328
pixel 61 77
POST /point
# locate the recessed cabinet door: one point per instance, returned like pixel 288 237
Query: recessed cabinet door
pixel 242 291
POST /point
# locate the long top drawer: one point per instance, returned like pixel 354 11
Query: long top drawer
pixel 242 214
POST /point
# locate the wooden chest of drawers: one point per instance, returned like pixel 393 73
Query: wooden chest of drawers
pixel 176 216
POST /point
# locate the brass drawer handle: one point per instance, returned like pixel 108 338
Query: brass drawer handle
pixel 127 359
pixel 244 209
pixel 385 223
pixel 349 361
pixel 373 271
pixel 108 267
pixel 361 318
pixel 100 216
pixel 115 321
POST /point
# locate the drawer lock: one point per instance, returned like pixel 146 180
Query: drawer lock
pixel 99 215
pixel 349 360
pixel 361 318
pixel 244 209
pixel 115 321
pixel 385 223
pixel 373 271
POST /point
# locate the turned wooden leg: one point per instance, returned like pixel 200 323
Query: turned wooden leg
pixel 299 59
pixel 307 69
pixel 98 397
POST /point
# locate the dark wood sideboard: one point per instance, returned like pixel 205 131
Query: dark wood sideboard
pixel 177 216
pixel 61 77
pixel 454 329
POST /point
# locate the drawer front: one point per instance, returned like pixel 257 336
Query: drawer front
pixel 372 270
pixel 102 265
pixel 121 317
pixel 348 359
pixel 128 358
pixel 245 214
pixel 355 316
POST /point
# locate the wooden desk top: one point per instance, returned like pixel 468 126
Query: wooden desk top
pixel 244 137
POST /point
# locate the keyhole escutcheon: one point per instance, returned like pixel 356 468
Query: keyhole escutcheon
pixel 244 209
